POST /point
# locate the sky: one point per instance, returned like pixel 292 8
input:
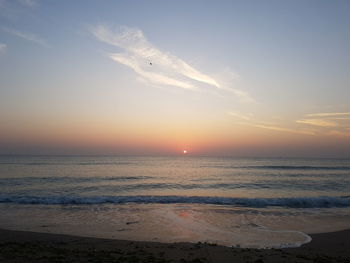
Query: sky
pixel 215 78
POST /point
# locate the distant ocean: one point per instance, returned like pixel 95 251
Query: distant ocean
pixel 251 202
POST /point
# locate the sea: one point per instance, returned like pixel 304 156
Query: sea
pixel 239 202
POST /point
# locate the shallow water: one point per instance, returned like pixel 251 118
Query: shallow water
pixel 234 202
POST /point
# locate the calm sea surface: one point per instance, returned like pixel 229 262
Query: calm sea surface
pixel 245 202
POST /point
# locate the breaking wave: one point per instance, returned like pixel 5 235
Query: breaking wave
pixel 292 202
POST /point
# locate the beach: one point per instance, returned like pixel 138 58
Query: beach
pixel 24 246
pixel 246 203
pixel 174 131
pixel 140 209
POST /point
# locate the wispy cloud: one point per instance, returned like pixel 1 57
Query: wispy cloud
pixel 148 75
pixel 326 119
pixel 15 10
pixel 338 133
pixel 3 48
pixel 249 120
pixel 282 129
pixel 328 114
pixel 318 122
pixel 241 116
pixel 153 65
pixel 328 123
pixel 341 118
pixel 27 36
pixel 30 3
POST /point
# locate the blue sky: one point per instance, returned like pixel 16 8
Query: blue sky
pixel 228 77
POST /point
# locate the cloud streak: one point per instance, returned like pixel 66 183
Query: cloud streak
pixel 328 114
pixel 328 123
pixel 338 133
pixel 326 119
pixel 3 48
pixel 249 120
pixel 150 76
pixel 30 3
pixel 27 36
pixel 166 69
pixel 318 122
pixel 322 124
pixel 242 116
pixel 282 129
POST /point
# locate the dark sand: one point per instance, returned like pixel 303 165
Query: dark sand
pixel 21 246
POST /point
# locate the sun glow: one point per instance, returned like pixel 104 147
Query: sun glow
pixel 185 151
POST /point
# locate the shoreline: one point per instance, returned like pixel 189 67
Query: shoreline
pixel 25 246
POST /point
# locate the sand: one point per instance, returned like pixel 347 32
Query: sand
pixel 23 246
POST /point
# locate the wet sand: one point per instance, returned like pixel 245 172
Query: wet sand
pixel 23 246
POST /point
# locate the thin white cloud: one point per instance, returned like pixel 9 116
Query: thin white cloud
pixel 282 129
pixel 332 124
pixel 340 118
pixel 30 3
pixel 150 76
pixel 227 79
pixel 27 36
pixel 328 123
pixel 3 48
pixel 166 69
pixel 338 133
pixel 318 122
pixel 241 115
pixel 249 120
pixel 328 114
pixel 14 10
pixel 242 95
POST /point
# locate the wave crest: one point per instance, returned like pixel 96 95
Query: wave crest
pixel 292 202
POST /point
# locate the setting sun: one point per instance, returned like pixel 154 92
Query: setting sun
pixel 185 151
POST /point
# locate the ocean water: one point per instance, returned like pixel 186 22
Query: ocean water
pixel 252 202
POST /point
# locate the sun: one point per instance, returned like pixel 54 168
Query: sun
pixel 185 151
